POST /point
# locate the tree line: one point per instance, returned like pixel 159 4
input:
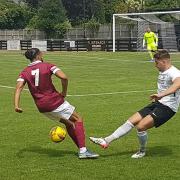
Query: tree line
pixel 56 16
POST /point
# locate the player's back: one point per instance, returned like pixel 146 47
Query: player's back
pixel 38 77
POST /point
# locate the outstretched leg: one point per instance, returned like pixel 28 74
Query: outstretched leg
pixel 119 132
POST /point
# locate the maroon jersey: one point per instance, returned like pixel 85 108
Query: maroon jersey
pixel 38 77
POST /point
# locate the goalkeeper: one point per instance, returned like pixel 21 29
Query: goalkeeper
pixel 151 42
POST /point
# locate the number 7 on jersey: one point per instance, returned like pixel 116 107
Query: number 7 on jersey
pixel 36 74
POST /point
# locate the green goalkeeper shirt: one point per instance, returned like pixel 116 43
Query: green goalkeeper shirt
pixel 150 37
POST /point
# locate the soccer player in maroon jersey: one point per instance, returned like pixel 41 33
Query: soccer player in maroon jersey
pixel 48 100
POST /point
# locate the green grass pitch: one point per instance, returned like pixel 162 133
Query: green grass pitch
pixel 26 152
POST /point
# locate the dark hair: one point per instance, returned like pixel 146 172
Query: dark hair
pixel 162 54
pixel 32 53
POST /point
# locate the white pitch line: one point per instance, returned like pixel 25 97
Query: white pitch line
pixel 9 87
pixel 94 94
pixel 110 93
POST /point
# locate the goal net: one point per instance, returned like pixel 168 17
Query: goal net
pixel 166 25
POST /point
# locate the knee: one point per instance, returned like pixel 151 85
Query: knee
pixel 76 119
pixel 79 119
pixel 141 127
pixel 67 123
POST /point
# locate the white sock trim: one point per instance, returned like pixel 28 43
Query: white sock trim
pixel 129 122
pixel 141 133
pixel 82 150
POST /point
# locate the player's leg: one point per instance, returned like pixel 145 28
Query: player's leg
pixel 142 126
pixel 159 115
pixel 125 128
pixel 74 123
pixel 80 135
pixel 56 116
pixel 149 49
pixel 70 129
pixel 78 130
pixel 153 49
pixel 119 132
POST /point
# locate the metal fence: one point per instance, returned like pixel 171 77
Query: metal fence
pixel 22 34
pixel 104 32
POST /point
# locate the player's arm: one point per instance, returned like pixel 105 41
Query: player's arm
pixel 19 88
pixel 64 81
pixel 171 90
pixel 144 40
pixel 156 39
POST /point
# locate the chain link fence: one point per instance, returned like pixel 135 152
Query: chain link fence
pixel 23 34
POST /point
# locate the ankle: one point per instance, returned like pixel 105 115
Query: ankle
pixel 82 150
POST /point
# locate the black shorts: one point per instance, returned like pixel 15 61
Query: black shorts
pixel 159 112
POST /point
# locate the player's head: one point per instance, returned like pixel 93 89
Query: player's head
pixel 148 29
pixel 162 59
pixel 33 54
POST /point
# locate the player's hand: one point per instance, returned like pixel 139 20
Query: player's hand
pixel 155 97
pixel 18 110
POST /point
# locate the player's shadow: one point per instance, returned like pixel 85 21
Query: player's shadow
pixel 160 151
pixel 155 151
pixel 44 151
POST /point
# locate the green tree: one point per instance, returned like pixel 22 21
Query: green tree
pixel 160 5
pixel 61 28
pixel 97 10
pixel 152 5
pixel 93 27
pixel 13 16
pixel 50 15
pixel 33 3
pixel 79 11
pixel 76 10
pixel 114 6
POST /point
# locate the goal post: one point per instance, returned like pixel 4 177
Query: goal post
pixel 146 19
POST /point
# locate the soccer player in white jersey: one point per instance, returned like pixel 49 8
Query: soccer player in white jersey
pixel 163 107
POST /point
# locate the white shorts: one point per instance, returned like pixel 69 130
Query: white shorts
pixel 64 111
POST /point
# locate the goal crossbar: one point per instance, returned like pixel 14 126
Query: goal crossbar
pixel 157 12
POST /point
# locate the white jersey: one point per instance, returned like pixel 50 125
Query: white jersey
pixel 165 80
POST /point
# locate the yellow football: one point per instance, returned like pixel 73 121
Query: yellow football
pixel 57 134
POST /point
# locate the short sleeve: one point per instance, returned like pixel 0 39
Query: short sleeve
pixel 175 74
pixel 21 77
pixel 53 68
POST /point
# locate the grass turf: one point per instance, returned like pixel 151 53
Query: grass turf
pixel 26 152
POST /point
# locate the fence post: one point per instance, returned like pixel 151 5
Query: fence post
pixel 107 45
pixel 118 43
pixel 51 46
pixel 77 45
pixel 129 44
pixel 60 43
